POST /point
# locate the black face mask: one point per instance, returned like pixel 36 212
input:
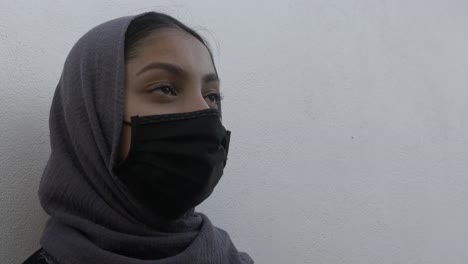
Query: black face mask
pixel 175 160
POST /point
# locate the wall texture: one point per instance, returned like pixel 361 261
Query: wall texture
pixel 349 122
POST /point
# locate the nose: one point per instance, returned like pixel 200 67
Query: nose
pixel 195 102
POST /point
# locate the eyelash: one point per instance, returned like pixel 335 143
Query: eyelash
pixel 218 96
pixel 164 86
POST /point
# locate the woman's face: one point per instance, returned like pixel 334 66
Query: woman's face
pixel 171 72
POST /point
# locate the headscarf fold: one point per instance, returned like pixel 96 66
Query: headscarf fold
pixel 93 217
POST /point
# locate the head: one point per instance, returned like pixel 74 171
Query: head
pixel 168 69
pixel 164 68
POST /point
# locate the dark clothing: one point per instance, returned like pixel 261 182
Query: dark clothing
pixel 38 257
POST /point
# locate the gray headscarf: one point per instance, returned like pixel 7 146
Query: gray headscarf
pixel 93 218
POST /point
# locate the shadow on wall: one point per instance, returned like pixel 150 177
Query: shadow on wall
pixel 24 150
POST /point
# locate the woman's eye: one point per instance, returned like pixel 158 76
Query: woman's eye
pixel 165 89
pixel 213 98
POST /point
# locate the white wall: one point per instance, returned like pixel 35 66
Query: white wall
pixel 349 122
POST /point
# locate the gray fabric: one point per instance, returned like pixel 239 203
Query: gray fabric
pixel 93 219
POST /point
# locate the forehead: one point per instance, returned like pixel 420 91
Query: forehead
pixel 175 46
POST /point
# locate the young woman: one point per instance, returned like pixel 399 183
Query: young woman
pixel 137 143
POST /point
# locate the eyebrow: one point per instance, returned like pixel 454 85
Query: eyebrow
pixel 211 77
pixel 175 69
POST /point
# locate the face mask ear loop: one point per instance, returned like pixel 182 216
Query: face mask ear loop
pixel 134 125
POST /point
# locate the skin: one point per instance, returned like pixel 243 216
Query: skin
pixel 161 90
